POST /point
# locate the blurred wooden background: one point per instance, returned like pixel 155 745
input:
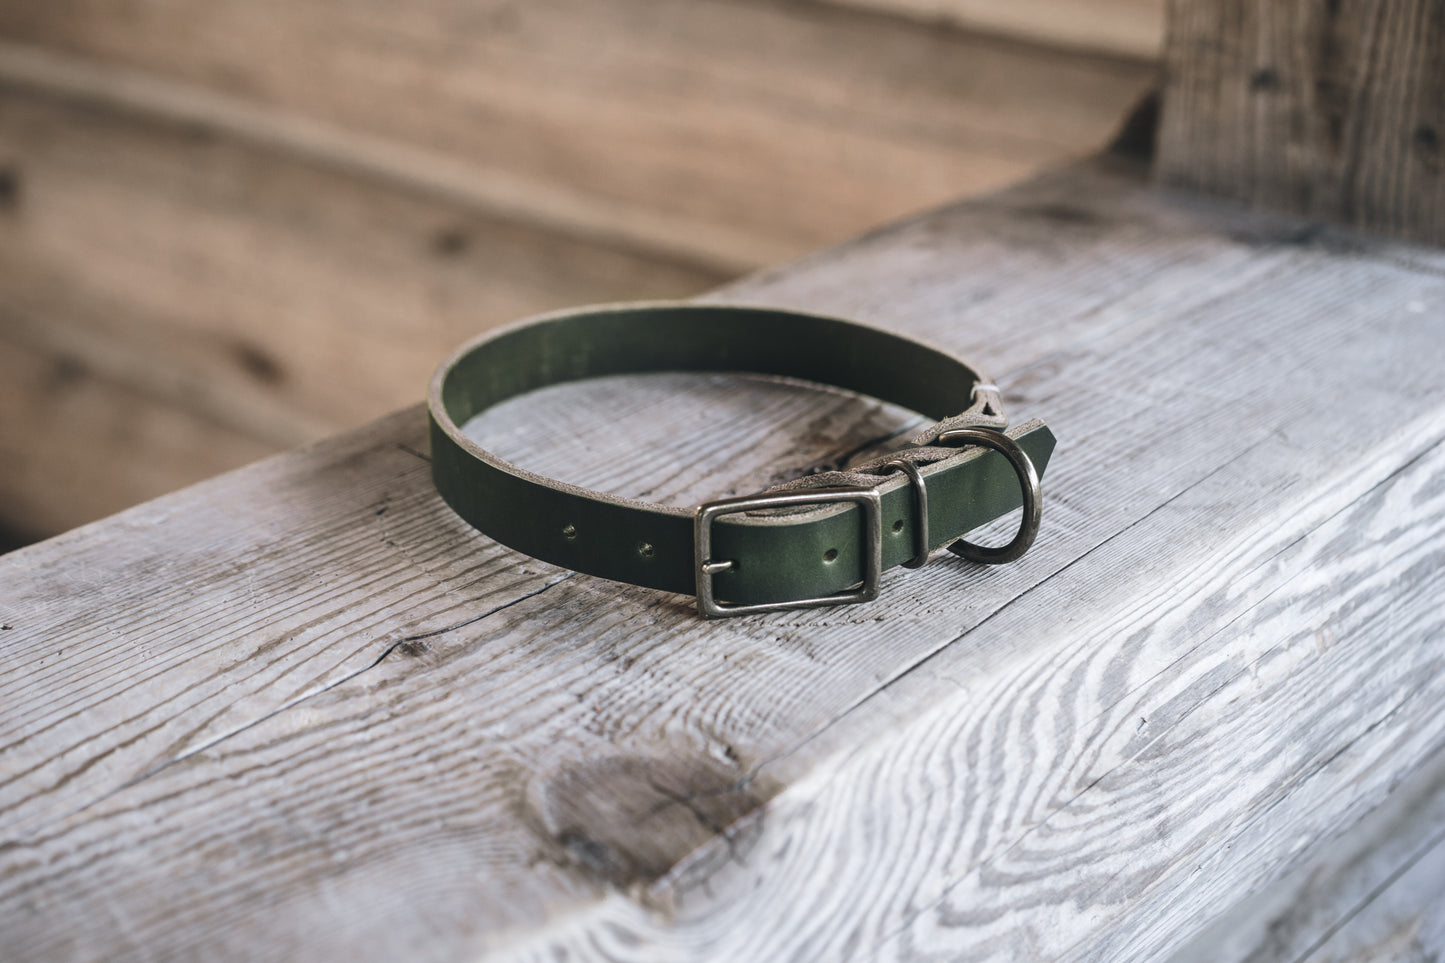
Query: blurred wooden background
pixel 228 227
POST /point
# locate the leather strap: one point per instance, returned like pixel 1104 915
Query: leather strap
pixel 776 556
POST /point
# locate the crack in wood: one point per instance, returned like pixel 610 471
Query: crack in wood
pixel 412 451
pixel 399 644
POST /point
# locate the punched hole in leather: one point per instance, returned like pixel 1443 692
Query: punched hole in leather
pixel 773 557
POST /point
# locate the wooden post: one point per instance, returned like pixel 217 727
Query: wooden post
pixel 1332 109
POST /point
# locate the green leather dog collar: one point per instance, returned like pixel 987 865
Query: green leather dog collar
pixel 785 549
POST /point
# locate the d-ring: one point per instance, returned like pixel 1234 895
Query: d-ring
pixel 920 511
pixel 1028 481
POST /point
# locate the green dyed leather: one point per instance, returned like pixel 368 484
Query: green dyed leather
pixel 777 557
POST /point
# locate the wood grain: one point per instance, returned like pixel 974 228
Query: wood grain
pixel 731 134
pixel 304 710
pixel 1376 893
pixel 274 298
pixel 267 273
pixel 77 444
pixel 1327 109
pixel 1131 28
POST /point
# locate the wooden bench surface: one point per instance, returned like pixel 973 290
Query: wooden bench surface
pixel 302 709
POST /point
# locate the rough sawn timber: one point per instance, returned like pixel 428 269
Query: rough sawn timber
pixel 1318 108
pixel 303 710
pixel 726 135
pixel 1378 894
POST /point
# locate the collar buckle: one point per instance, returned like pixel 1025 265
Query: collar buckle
pixel 706 566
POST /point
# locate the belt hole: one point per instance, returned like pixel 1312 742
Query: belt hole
pixel 645 549
pixel 569 532
pixel 898 526
pixel 831 555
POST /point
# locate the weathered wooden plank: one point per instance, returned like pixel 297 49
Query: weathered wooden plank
pixel 1402 921
pixel 234 284
pixel 76 444
pixel 1316 107
pixel 1377 893
pixel 1132 28
pixel 267 272
pixel 732 134
pixel 332 718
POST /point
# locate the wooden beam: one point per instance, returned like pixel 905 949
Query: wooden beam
pixel 146 100
pixel 728 134
pixel 232 282
pixel 1376 892
pixel 1121 28
pixel 78 443
pixel 1328 109
pixel 302 710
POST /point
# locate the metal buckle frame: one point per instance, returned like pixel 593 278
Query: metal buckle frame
pixel 706 567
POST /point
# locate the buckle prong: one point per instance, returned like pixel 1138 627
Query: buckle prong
pixel 706 566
